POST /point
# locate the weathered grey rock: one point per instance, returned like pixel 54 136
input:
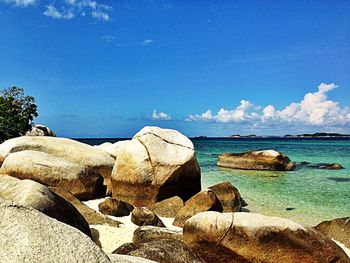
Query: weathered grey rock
pixel 256 160
pixel 40 130
pixel 205 200
pixel 111 148
pixel 91 216
pixel 260 238
pixel 229 196
pixel 156 164
pixel 28 235
pixel 39 197
pixel 160 250
pixel 81 181
pixel 338 229
pixel 168 207
pixel 67 149
pixel 144 233
pixel 142 216
pixel 114 207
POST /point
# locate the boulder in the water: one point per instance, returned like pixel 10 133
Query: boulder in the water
pixel 256 160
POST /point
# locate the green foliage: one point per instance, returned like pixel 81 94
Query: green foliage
pixel 17 112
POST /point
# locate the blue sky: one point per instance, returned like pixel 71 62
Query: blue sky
pixel 107 68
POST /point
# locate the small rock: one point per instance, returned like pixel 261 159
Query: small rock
pixel 160 250
pixel 142 216
pixel 115 207
pixel 334 166
pixel 290 208
pixel 229 196
pixel 168 207
pixel 144 233
pixel 205 200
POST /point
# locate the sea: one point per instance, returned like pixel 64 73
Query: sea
pixel 308 195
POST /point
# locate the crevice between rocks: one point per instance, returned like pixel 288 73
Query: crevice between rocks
pixel 164 140
pixel 149 158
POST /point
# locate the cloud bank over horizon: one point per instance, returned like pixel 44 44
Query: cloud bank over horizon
pixel 315 109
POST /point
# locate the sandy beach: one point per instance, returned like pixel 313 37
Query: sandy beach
pixel 110 238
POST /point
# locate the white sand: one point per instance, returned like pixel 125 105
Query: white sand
pixel 110 238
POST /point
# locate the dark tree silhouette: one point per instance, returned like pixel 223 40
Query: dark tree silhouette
pixel 17 112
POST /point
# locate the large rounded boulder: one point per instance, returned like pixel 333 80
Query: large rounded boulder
pixel 30 236
pixel 256 160
pixel 156 164
pixel 66 149
pixel 259 238
pixel 81 181
pixel 39 197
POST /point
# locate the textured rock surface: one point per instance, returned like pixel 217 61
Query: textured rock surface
pixel 161 250
pixel 229 196
pixel 156 164
pixel 67 149
pixel 205 200
pixel 256 160
pixel 116 258
pixel 111 148
pixel 142 216
pixel 40 130
pixel 168 207
pixel 30 236
pixel 115 207
pixel 91 216
pixel 82 182
pixel 260 238
pixel 338 229
pixel 144 233
pixel 39 197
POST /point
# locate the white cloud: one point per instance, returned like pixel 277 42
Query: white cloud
pixel 20 3
pixel 51 11
pixel 206 116
pixel 147 42
pixel 67 9
pixel 160 116
pixel 315 109
pixel 108 38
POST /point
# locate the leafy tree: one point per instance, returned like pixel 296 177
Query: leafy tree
pixel 17 112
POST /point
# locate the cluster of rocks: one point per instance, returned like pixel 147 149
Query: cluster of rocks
pixel 43 180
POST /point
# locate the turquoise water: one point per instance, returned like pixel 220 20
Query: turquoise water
pixel 316 195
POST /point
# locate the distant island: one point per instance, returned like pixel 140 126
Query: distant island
pixel 319 135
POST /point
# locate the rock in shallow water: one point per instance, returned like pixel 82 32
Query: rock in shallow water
pixel 256 160
pixel 260 238
pixel 229 196
pixel 156 164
